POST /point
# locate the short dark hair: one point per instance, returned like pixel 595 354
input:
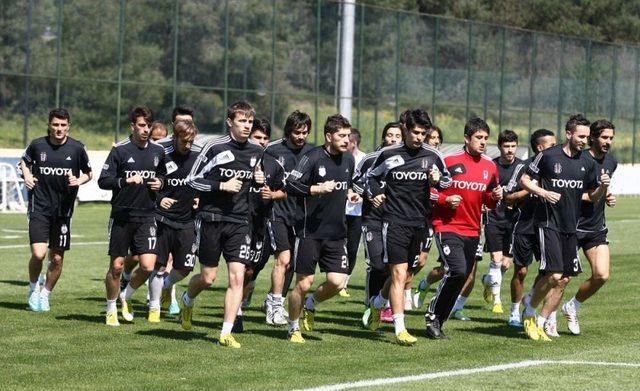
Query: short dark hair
pixel 295 121
pixel 59 113
pixel 142 111
pixel 395 124
pixel 575 121
pixel 261 125
pixel 356 134
pixel 474 125
pixel 402 118
pixel 238 107
pixel 507 136
pixel 434 128
pixel 181 110
pixel 335 123
pixel 417 117
pixel 537 135
pixel 597 127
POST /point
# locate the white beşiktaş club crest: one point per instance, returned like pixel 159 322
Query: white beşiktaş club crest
pixel 156 161
pixel 322 171
pixel 369 236
pixel 253 161
pixel 557 168
pixel 64 229
pixel 152 231
pixel 43 156
pixel 485 174
pixel 247 239
pixel 446 249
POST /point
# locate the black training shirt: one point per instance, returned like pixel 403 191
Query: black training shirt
pixel 501 215
pixel 592 213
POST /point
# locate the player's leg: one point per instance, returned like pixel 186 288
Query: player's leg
pixel 54 270
pixel 130 263
pixel 354 232
pixel 39 234
pixel 377 274
pixel 329 288
pixel 112 287
pixel 458 308
pixel 232 301
pixel 296 299
pixel 282 273
pixel 156 280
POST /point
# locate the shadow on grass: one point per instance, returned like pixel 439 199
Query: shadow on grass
pixel 94 298
pixel 83 318
pixel 351 333
pixel 15 282
pixel 490 321
pixel 14 306
pixel 180 335
pixel 501 331
pixel 280 333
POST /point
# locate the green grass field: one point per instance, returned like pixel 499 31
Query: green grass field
pixel 71 348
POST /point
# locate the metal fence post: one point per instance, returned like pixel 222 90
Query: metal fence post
pixel 502 61
pixel 614 76
pixel 58 48
pixel 360 54
pixel 176 26
pixel 560 89
pixel 587 78
pixel 635 108
pixel 273 62
pixel 532 78
pixel 317 85
pixel 469 38
pixel 27 69
pixel 436 33
pixel 120 59
pixel 397 89
pixel 226 64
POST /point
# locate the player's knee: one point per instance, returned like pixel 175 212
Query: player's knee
pixel 521 274
pixel 115 270
pixel 601 277
pixel 147 268
pixel 56 261
pixel 304 284
pixel 248 273
pixel 38 255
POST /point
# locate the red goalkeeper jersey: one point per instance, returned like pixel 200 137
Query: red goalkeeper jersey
pixel 473 178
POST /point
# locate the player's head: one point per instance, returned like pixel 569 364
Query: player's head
pixel 240 117
pixel 336 134
pixel 476 135
pixel 417 122
pixel 297 128
pixel 392 133
pixel 141 120
pixel 577 129
pixel 434 136
pixel 182 113
pixel 354 140
pixel 58 125
pixel 184 134
pixel 402 118
pixel 158 131
pixel 601 136
pixel 542 139
pixel 508 145
pixel 261 132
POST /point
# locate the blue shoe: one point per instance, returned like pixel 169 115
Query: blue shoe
pixel 174 308
pixel 515 323
pixel 34 301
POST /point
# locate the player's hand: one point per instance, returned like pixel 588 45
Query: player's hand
pixel 258 175
pixel 434 175
pixel 326 187
pixel 605 179
pixel 233 185
pixel 167 202
pixel 453 201
pixel 266 193
pixel 610 200
pixel 496 193
pixel 73 180
pixel 378 200
pixel 136 180
pixel 30 181
pixel 196 203
pixel 354 197
pixel 551 196
pixel 155 184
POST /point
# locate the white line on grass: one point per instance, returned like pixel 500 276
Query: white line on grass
pixel 462 372
pixel 72 245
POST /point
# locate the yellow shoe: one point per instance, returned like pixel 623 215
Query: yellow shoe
pixel 127 313
pixel 406 339
pixel 542 335
pixel 497 308
pixel 229 342
pixel 530 328
pixel 486 294
pixel 154 315
pixel 185 315
pixel 112 319
pixel 308 319
pixel 373 322
pixel 165 299
pixel 296 337
pixel 343 293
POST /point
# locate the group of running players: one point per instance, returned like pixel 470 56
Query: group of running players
pixel 240 196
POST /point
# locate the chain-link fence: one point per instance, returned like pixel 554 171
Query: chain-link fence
pixel 99 59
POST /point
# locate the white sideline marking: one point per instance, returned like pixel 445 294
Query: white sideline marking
pixel 19 231
pixel 72 245
pixel 462 372
pixel 11 236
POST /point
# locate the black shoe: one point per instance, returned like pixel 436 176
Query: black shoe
pixel 433 328
pixel 237 325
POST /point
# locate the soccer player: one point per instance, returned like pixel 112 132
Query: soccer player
pixel 322 183
pixel 262 199
pixel 133 171
pixel 225 170
pixel 354 213
pixel 592 229
pixel 377 272
pixel 499 223
pixel 408 171
pixel 158 131
pixel 287 151
pixel 524 243
pixel 174 217
pixel 456 219
pixel 53 167
pixel 564 173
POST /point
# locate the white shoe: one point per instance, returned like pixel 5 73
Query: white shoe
pixel 571 315
pixel 551 329
pixel 279 317
pixel 269 311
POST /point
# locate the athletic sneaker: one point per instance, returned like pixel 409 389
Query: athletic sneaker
pixel 551 329
pixel 343 293
pixel 497 308
pixel 174 308
pixel 308 319
pixel 165 299
pixel 265 306
pixel 295 336
pixel 229 342
pixel 529 324
pixel 365 317
pixel 185 313
pixel 373 322
pixel 515 322
pixel 486 293
pixel 127 312
pixel 542 335
pixel 34 301
pixel 386 315
pixel 406 339
pixel 238 327
pixel 432 325
pixel 460 315
pixel 44 304
pixel 279 316
pixel 421 294
pixel 112 319
pixel 154 315
pixel 570 313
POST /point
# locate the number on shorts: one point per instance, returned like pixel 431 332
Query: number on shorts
pixel 152 242
pixel 245 252
pixel 345 262
pixel 416 261
pixel 63 240
pixel 190 261
pixel 576 265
